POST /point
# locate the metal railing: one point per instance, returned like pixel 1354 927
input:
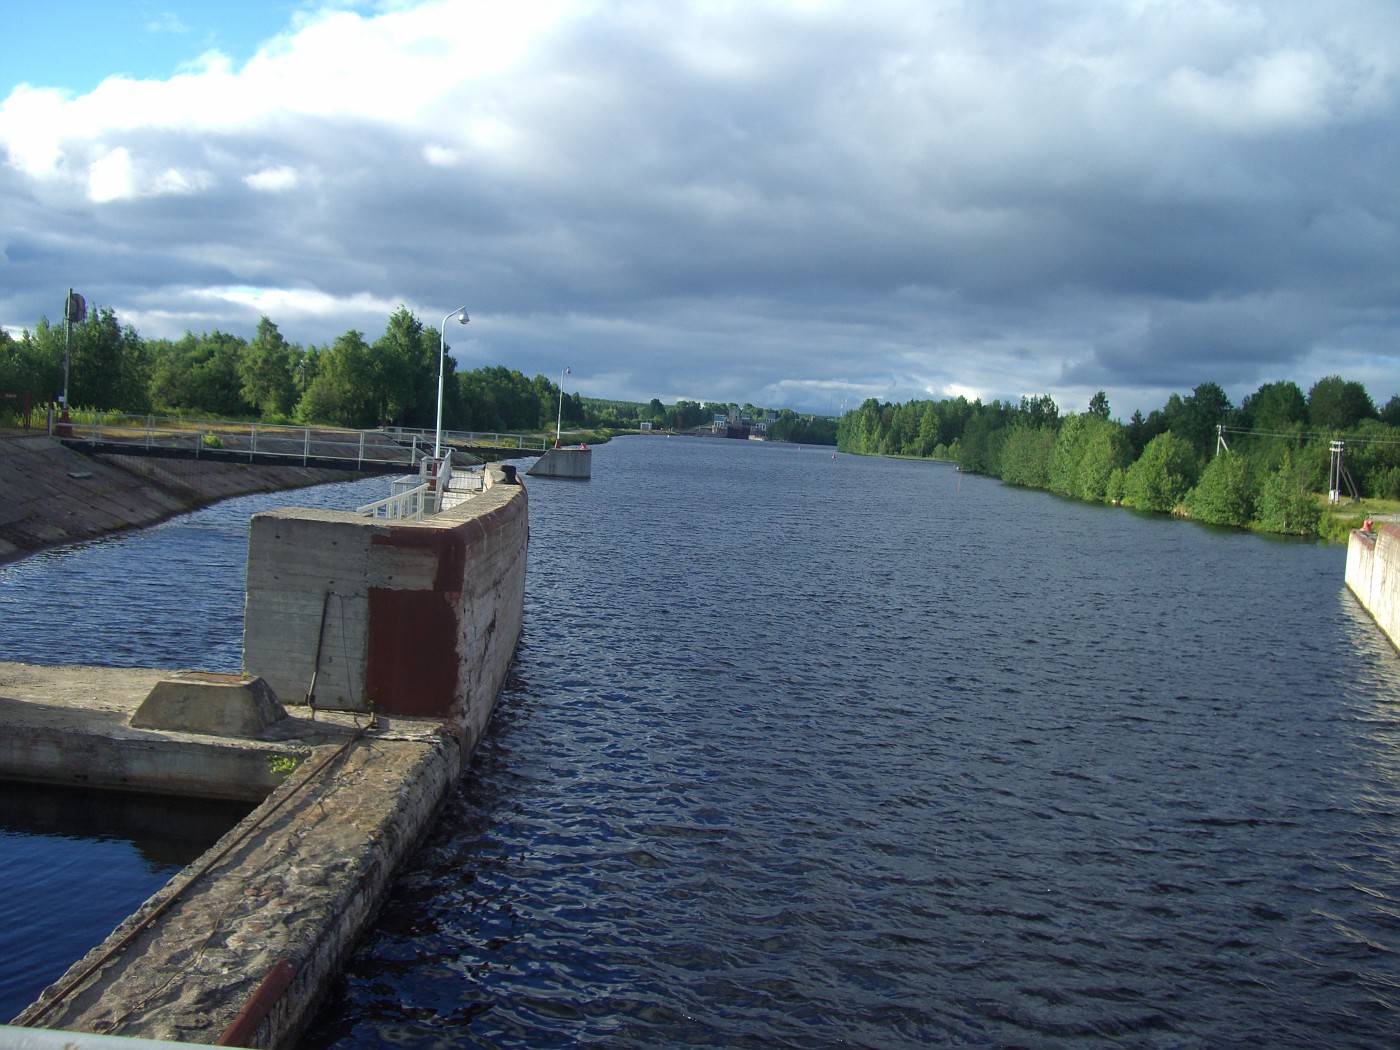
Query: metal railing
pixel 413 496
pixel 201 437
pixel 472 438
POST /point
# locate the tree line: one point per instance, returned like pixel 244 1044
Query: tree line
pixel 351 382
pixel 1260 464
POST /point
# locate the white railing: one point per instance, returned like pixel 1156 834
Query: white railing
pixel 414 496
pixel 473 438
pixel 255 439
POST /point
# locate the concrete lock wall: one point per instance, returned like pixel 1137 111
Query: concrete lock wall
pixel 564 463
pixel 1373 574
pixel 416 620
pixel 367 609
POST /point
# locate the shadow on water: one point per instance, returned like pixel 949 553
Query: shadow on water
pixel 75 864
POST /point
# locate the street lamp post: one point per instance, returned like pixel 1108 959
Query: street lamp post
pixel 461 314
pixel 559 420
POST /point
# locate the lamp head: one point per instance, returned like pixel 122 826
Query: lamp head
pixel 462 317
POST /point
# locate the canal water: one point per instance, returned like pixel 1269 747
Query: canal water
pixel 811 750
pixel 75 864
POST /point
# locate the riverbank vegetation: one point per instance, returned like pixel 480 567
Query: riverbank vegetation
pixel 1266 464
pixel 349 382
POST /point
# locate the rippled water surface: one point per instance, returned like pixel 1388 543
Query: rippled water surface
pixel 804 750
pixel 808 751
pixel 75 864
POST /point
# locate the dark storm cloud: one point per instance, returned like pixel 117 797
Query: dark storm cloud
pixel 796 204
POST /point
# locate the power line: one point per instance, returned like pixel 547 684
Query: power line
pixel 1311 435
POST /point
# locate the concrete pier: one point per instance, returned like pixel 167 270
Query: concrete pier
pixel 240 947
pixel 564 463
pixel 1373 574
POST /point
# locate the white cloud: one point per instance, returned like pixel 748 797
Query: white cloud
pixel 888 197
pixel 273 180
pixel 110 178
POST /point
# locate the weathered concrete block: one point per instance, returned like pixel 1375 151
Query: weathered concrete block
pixel 210 703
pixel 411 618
pixel 563 463
pixel 1373 574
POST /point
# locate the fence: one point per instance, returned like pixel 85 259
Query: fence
pixel 255 440
pixel 472 439
pixel 427 492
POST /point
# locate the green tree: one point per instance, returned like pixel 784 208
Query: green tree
pixel 1063 471
pixel 26 365
pixel 1040 411
pixel 108 366
pixel 1285 505
pixel 1025 456
pixel 982 438
pixel 341 389
pixel 1225 493
pixel 1338 404
pixel 1373 456
pixel 1390 414
pixel 265 368
pixel 1195 418
pixel 1275 407
pixel 404 361
pixel 1162 476
pixel 1106 452
pixel 200 375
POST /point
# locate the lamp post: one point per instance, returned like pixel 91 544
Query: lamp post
pixel 461 314
pixel 74 312
pixel 559 420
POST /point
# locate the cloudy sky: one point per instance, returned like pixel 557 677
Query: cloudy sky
pixel 795 204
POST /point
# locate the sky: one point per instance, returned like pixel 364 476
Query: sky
pixel 796 204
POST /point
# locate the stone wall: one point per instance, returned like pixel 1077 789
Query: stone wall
pixel 408 618
pixel 1373 574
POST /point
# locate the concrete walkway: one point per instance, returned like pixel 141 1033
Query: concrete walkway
pixel 279 899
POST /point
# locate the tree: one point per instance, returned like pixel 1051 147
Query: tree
pixel 1275 407
pixel 1098 405
pixel 1285 505
pixel 1025 457
pixel 1138 433
pixel 1390 414
pixel 1040 411
pixel 108 365
pixel 27 365
pixel 1105 453
pixel 1162 475
pixel 266 370
pixel 341 391
pixel 199 374
pixel 983 437
pixel 404 361
pixel 1068 453
pixel 1225 494
pixel 1337 404
pixel 1196 418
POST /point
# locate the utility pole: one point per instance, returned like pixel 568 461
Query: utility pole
pixel 74 311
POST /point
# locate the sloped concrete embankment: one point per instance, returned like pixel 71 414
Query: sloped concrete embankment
pixel 1373 574
pixel 243 945
pixel 55 495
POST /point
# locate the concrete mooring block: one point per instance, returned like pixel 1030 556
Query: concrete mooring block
pixel 215 704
